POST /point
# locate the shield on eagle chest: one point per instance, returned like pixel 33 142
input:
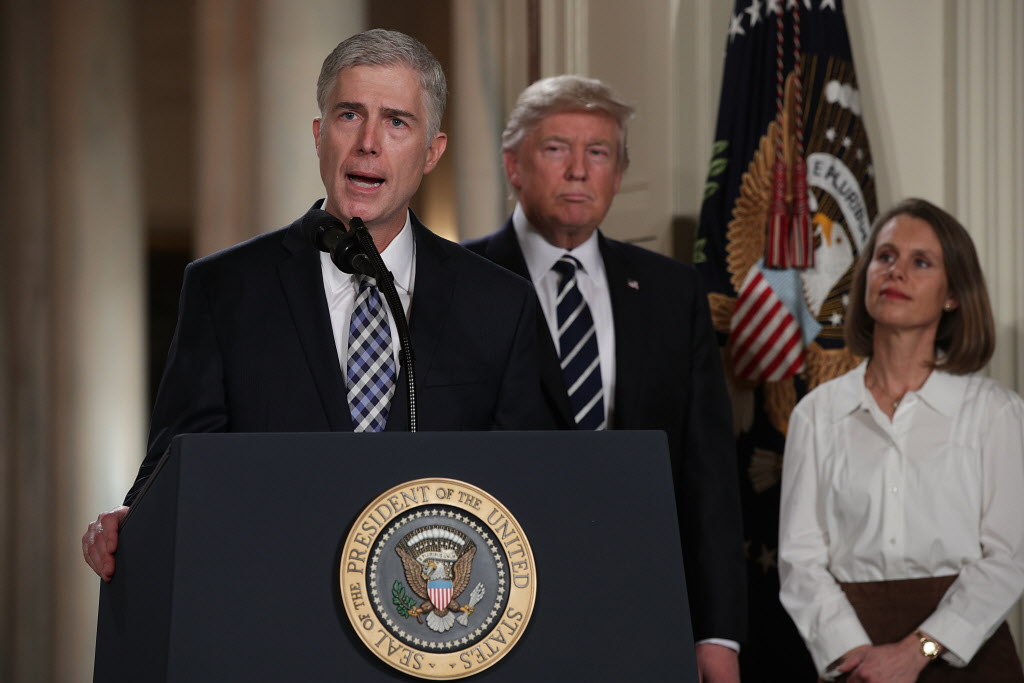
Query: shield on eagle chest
pixel 440 593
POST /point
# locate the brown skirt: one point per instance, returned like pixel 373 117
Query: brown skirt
pixel 889 610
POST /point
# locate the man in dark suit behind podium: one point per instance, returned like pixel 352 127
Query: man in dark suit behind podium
pixel 626 340
pixel 272 337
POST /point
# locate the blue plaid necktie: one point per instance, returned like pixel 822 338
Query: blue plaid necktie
pixel 371 364
pixel 577 348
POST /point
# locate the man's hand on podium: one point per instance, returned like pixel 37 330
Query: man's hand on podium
pixel 99 543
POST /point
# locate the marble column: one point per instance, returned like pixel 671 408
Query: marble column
pixel 26 334
pixel 97 267
pixel 226 123
pixel 478 116
pixel 73 381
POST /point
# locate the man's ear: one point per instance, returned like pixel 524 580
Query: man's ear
pixel 512 169
pixel 316 134
pixel 434 152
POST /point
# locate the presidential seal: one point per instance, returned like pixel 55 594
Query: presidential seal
pixel 437 578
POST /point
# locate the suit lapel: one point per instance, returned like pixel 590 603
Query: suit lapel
pixel 625 288
pixel 432 298
pixel 503 249
pixel 304 289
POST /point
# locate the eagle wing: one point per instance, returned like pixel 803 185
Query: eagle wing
pixel 413 573
pixel 462 569
pixel 746 230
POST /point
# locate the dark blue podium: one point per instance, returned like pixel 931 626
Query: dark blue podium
pixel 227 568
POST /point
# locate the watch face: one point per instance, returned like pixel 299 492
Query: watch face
pixel 929 647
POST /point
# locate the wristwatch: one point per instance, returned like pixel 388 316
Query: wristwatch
pixel 929 648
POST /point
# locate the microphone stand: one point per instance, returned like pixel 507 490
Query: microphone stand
pixel 353 251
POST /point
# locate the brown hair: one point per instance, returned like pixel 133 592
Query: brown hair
pixel 966 335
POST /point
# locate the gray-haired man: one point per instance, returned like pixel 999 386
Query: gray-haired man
pixel 271 337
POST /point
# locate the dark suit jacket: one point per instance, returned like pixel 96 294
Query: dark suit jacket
pixel 254 351
pixel 668 376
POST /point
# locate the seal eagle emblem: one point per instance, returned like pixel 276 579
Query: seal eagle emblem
pixel 438 561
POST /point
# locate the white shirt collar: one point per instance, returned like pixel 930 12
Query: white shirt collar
pixel 942 391
pixel 540 254
pixel 851 394
pixel 398 257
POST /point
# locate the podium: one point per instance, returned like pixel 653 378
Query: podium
pixel 228 563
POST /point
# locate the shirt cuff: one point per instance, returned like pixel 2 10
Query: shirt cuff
pixel 839 637
pixel 961 639
pixel 724 642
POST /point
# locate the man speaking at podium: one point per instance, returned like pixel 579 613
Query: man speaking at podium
pixel 272 337
pixel 627 341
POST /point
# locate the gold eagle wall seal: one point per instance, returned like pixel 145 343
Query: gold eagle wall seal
pixel 438 578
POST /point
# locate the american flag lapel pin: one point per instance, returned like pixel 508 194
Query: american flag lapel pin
pixel 633 284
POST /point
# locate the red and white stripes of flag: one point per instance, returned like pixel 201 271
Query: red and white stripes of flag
pixel 765 340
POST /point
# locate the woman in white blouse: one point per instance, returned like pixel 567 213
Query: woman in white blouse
pixel 901 539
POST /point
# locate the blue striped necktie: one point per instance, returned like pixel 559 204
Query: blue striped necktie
pixel 371 365
pixel 577 348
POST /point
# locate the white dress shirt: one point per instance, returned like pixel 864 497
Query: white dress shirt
pixel 937 491
pixel 342 288
pixel 540 256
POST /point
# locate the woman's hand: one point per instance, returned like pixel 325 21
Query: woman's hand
pixel 898 662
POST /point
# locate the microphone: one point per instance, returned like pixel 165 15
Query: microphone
pixel 329 235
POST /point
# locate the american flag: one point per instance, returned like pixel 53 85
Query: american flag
pixel 765 340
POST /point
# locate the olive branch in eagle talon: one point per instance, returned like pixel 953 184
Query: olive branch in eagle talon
pixel 402 601
pixel 438 562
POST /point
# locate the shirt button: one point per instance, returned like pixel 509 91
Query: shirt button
pixel 895 489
